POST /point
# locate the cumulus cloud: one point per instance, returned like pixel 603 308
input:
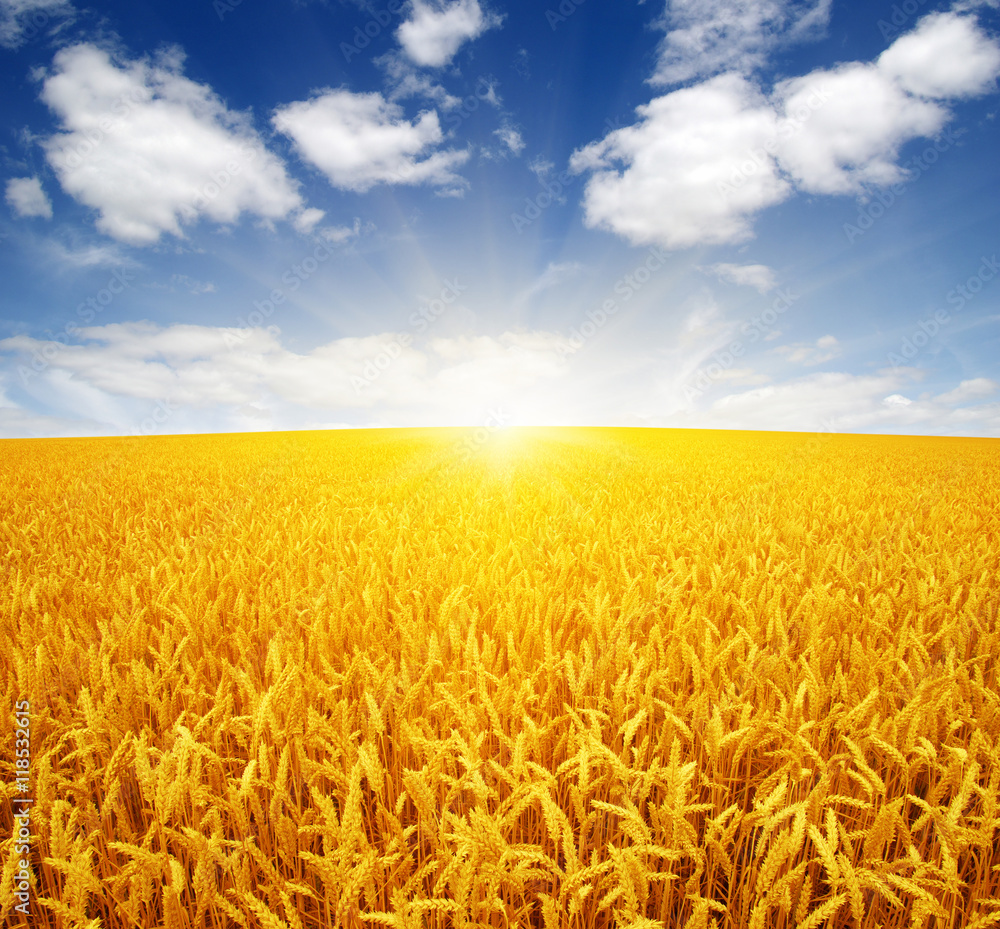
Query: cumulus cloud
pixel 853 138
pixel 434 30
pixel 26 197
pixel 706 37
pixel 945 56
pixel 151 150
pixel 760 277
pixel 359 140
pixel 702 161
pixel 872 110
pixel 660 181
pixel 22 19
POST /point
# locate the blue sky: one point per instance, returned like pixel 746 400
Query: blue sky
pixel 245 216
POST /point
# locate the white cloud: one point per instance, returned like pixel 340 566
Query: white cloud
pixel 871 110
pixel 854 138
pixel 805 403
pixel 17 423
pixel 511 138
pixel 517 359
pixel 491 96
pixel 20 20
pixel 661 180
pixel 945 56
pixel 150 149
pixel 119 371
pixel 703 160
pixel 306 221
pixel 338 235
pixel 89 256
pixel 701 317
pixel 555 273
pixel 26 197
pixel 760 277
pixel 200 378
pixel 706 37
pixel 974 389
pixel 823 349
pixel 434 30
pixel 839 402
pixel 192 286
pixel 405 80
pixel 360 140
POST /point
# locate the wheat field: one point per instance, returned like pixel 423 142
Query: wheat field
pixel 580 677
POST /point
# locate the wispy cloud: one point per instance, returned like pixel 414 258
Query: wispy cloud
pixel 825 348
pixel 707 37
pixel 21 19
pixel 88 256
pixel 758 276
pixel 511 138
pixel 27 198
pixel 555 273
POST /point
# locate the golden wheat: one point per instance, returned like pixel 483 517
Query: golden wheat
pixel 582 678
